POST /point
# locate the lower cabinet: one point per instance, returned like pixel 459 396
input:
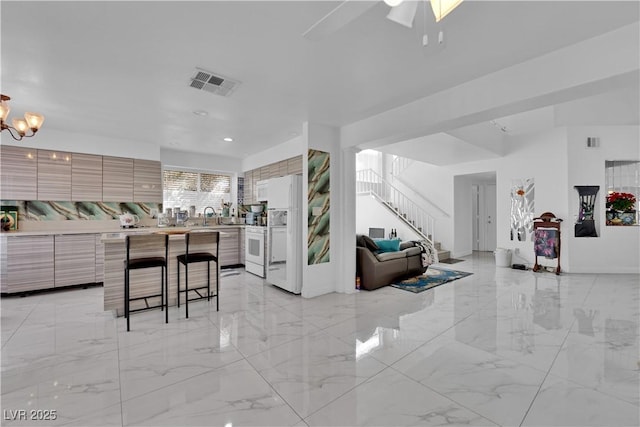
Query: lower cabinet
pixel 229 245
pixel 241 250
pixel 75 259
pixel 27 263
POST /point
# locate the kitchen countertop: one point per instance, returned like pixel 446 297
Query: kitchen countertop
pixel 116 231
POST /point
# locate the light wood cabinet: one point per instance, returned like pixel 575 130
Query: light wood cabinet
pixel 147 181
pixel 241 244
pixel 18 173
pixel 117 179
pixel 99 259
pixel 86 177
pixel 248 188
pixel 75 259
pixel 54 175
pixel 27 263
pixel 294 165
pixel 229 247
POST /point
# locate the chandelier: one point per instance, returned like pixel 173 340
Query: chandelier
pixel 31 121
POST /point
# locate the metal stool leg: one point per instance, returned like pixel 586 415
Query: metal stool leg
pixel 217 285
pixel 165 284
pixel 208 280
pixel 186 289
pixel 178 284
pixel 126 297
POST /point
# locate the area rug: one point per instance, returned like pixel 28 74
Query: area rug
pixel 450 261
pixel 433 277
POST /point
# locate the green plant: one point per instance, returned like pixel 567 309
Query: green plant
pixel 621 201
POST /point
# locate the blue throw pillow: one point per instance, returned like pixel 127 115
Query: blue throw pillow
pixel 388 245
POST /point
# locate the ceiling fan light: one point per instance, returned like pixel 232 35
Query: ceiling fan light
pixel 34 120
pixel 20 125
pixel 4 110
pixel 404 13
pixel 442 8
pixel 393 3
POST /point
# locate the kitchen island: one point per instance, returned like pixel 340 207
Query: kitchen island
pixel 147 281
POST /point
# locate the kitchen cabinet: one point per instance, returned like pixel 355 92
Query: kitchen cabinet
pixel 99 258
pixel 248 188
pixel 75 259
pixel 241 246
pixel 86 177
pixel 262 191
pixel 294 165
pixel 27 263
pixel 283 168
pixel 147 181
pixel 54 175
pixel 229 246
pixel 18 173
pixel 117 179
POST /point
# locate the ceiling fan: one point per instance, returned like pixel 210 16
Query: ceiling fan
pixel 402 12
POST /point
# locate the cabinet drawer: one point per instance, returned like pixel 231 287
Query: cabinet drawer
pixel 75 259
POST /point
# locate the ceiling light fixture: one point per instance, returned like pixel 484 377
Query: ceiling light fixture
pixel 227 139
pixel 201 113
pixel 442 8
pixel 393 3
pixel 31 121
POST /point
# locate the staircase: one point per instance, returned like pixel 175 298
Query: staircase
pixel 371 183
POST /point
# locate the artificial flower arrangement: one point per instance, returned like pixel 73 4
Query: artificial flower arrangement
pixel 621 201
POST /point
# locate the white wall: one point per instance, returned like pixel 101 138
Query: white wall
pixel 617 249
pixel 286 150
pixel 199 161
pixel 371 213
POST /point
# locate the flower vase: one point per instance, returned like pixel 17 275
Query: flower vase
pixel 627 217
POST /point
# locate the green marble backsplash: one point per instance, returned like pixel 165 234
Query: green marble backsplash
pixel 35 210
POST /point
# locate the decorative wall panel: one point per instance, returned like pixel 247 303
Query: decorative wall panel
pixel 522 208
pixel 318 241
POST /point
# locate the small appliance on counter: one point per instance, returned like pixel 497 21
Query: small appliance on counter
pixel 164 220
pixel 251 218
pixel 129 220
pixel 9 218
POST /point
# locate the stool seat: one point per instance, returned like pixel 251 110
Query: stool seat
pixel 146 263
pixel 199 242
pixel 197 257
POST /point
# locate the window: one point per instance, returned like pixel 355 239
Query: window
pixel 183 189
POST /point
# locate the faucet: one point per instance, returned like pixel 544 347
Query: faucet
pixel 204 214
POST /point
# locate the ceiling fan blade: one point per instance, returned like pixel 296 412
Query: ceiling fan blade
pixel 404 13
pixel 346 12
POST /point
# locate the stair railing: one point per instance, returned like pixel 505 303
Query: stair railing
pixel 370 182
pixel 399 164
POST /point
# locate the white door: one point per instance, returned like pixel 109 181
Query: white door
pixel 484 215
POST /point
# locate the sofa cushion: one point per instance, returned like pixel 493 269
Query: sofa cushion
pixel 388 245
pixel 386 256
pixel 412 251
pixel 366 242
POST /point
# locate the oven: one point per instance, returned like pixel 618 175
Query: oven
pixel 255 250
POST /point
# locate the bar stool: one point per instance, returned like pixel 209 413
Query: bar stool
pixel 201 246
pixel 140 254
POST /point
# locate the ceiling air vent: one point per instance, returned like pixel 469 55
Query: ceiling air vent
pixel 214 83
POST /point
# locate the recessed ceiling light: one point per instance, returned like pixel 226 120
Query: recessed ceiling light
pixel 227 139
pixel 174 143
pixel 201 113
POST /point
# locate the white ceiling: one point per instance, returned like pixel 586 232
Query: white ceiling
pixel 119 69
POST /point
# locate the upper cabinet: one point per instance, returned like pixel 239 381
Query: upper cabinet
pixel 54 175
pixel 117 179
pixel 147 181
pixel 18 173
pixel 290 166
pixel 86 177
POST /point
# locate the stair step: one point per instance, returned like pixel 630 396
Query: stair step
pixel 437 245
pixel 442 255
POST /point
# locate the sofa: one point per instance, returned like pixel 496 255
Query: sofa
pixel 377 269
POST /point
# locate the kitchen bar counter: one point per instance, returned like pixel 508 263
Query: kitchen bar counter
pixel 110 230
pixel 147 281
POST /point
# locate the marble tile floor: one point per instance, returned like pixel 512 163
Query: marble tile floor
pixel 500 347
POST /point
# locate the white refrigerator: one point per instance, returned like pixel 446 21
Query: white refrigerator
pixel 284 233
